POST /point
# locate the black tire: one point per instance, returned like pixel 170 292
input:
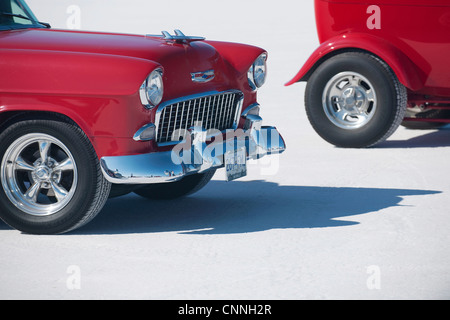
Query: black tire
pixel 428 114
pixel 172 190
pixel 65 198
pixel 378 92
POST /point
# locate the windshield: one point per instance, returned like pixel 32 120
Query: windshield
pixel 15 14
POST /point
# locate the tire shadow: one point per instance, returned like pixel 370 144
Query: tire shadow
pixel 433 139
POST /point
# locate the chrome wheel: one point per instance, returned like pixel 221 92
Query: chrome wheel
pixel 39 174
pixel 349 100
pixel 354 100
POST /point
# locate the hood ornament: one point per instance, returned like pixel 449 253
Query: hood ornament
pixel 202 76
pixel 179 37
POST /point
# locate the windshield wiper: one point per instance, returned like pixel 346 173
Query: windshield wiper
pixel 24 17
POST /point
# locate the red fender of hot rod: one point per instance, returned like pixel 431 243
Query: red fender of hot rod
pixel 380 64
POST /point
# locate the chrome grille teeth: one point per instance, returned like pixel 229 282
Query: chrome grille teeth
pixel 218 111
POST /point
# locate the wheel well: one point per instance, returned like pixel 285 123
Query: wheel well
pixel 9 117
pixel 330 55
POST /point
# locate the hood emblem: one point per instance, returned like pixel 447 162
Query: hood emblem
pixel 179 37
pixel 203 76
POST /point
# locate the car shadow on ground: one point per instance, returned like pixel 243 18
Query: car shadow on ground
pixel 433 139
pixel 244 206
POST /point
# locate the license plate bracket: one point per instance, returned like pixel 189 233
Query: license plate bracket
pixel 235 164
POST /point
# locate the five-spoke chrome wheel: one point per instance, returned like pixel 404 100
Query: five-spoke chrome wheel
pixel 39 174
pixel 51 179
pixel 349 100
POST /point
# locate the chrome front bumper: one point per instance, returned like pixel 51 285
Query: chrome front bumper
pixel 159 167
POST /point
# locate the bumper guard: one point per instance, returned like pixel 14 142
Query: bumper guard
pixel 169 166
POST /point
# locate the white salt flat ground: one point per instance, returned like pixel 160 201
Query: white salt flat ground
pixel 328 224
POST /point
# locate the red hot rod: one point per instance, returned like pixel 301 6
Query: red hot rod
pixel 380 64
pixel 85 116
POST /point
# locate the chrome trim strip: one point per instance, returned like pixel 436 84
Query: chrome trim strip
pixel 168 125
pixel 238 113
pixel 137 135
pixel 178 37
pixel 249 108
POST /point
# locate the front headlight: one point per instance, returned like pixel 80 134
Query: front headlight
pixel 257 72
pixel 152 90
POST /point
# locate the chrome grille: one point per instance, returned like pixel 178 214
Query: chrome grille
pixel 216 111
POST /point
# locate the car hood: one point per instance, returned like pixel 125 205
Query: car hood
pixel 178 60
pixel 138 46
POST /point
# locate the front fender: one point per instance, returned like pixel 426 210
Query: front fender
pixel 406 71
pixel 239 56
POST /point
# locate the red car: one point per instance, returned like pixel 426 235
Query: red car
pixel 380 64
pixel 85 116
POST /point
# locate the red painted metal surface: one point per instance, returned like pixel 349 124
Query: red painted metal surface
pixel 94 78
pixel 412 36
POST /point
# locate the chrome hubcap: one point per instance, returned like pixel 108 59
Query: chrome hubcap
pixel 349 100
pixel 39 174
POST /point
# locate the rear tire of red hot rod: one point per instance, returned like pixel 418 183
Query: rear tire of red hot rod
pixel 172 190
pixel 354 100
pixel 51 181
